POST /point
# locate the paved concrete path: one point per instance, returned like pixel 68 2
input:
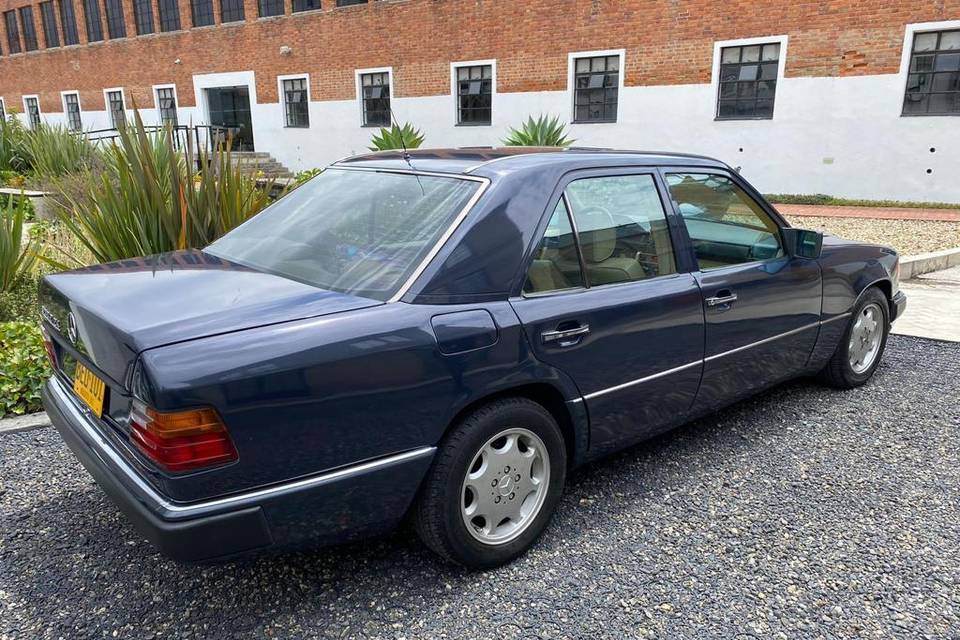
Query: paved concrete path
pixel 933 306
pixel 877 213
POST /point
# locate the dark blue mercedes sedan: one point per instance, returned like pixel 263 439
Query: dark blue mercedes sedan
pixel 442 335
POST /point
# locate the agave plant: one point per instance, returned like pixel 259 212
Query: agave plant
pixel 151 198
pixel 542 132
pixel 52 151
pixel 397 137
pixel 17 256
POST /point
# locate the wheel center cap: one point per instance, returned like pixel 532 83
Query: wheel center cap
pixel 505 486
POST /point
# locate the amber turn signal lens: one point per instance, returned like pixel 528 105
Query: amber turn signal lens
pixel 181 440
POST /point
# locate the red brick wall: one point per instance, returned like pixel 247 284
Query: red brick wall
pixel 666 42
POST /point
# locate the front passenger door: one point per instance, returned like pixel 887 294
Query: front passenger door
pixel 603 302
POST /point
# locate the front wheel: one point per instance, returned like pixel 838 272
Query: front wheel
pixel 494 484
pixel 858 354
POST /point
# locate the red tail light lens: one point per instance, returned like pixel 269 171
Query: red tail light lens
pixel 182 440
pixel 48 345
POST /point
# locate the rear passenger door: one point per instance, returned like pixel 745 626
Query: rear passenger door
pixel 762 307
pixel 603 301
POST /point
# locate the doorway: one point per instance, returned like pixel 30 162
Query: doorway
pixel 230 108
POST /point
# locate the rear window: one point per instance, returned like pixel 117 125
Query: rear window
pixel 357 232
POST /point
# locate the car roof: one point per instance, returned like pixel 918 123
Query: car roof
pixel 483 160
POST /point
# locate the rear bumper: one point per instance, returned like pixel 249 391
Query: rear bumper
pixel 898 305
pixel 354 501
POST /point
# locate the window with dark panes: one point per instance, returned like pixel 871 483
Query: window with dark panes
pixel 231 10
pixel 68 22
pixel 347 3
pixel 71 104
pixel 169 15
pixel 933 83
pixel 33 112
pixel 48 18
pixel 375 89
pixel 167 104
pixel 748 81
pixel 115 26
pixel 305 5
pixel 596 89
pixel 270 8
pixel 475 94
pixel 202 12
pixel 29 30
pixel 91 12
pixel 13 31
pixel 118 117
pixel 143 16
pixel 3 111
pixel 295 106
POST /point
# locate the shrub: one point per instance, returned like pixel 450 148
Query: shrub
pixel 150 198
pixel 397 137
pixel 20 302
pixel 306 176
pixel 16 255
pixel 542 132
pixel 54 151
pixel 23 368
pixel 12 157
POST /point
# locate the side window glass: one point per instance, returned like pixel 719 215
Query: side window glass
pixel 555 262
pixel 622 228
pixel 725 224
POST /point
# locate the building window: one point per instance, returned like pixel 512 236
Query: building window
pixel 13 31
pixel 33 111
pixel 169 15
pixel 375 94
pixel 596 88
pixel 29 31
pixel 295 103
pixel 305 5
pixel 347 3
pixel 91 13
pixel 143 16
pixel 71 104
pixel 48 18
pixel 3 110
pixel 270 8
pixel 167 105
pixel 68 22
pixel 933 83
pixel 231 10
pixel 115 26
pixel 748 81
pixel 118 117
pixel 202 11
pixel 475 94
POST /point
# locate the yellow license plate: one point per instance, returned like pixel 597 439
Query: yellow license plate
pixel 90 388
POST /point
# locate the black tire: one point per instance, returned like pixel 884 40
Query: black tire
pixel 839 373
pixel 437 514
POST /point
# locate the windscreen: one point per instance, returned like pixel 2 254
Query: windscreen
pixel 357 232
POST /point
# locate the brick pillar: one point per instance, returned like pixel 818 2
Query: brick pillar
pixel 129 19
pixel 251 10
pixel 186 16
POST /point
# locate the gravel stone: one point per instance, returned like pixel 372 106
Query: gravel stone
pixel 908 237
pixel 802 513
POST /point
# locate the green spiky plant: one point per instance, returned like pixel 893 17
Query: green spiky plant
pixel 540 132
pixel 397 137
pixel 12 132
pixel 151 198
pixel 17 255
pixel 53 151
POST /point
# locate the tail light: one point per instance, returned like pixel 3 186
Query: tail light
pixel 48 345
pixel 182 440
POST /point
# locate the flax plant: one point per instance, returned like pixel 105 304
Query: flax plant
pixel 17 255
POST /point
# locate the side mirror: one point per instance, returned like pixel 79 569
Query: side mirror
pixel 803 243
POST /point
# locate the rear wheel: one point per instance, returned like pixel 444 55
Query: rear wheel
pixel 494 484
pixel 858 354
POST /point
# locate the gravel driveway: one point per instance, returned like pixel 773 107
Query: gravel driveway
pixel 802 513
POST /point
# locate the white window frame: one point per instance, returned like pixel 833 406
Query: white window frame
pixel 156 100
pixel 26 111
pixel 282 99
pixel 63 101
pixel 456 98
pixel 572 58
pixel 106 102
pixel 908 34
pixel 3 109
pixel 358 74
pixel 718 47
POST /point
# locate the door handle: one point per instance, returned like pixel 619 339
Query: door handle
pixel 566 337
pixel 723 297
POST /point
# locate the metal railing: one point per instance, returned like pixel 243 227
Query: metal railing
pixel 198 136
